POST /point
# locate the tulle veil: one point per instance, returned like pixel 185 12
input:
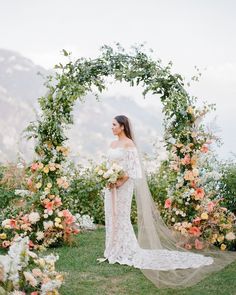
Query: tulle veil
pixel 154 234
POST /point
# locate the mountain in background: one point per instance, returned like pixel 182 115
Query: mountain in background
pixel 20 87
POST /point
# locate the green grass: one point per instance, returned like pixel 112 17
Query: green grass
pixel 85 276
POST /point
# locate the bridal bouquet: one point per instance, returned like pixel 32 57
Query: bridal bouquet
pixel 109 175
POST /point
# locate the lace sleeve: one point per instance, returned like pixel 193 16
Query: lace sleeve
pixel 133 164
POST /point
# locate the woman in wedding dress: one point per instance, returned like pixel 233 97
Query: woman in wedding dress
pixel 155 251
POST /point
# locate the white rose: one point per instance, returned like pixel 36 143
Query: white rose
pixel 34 217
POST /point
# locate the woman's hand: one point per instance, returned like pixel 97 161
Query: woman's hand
pixel 121 181
pixel 111 185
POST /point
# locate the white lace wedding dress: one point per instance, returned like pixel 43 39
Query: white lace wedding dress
pixel 121 243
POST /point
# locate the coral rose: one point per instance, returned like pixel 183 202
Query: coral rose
pixel 168 203
pixel 199 193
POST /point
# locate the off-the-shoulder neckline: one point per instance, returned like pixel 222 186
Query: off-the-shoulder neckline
pixel 123 148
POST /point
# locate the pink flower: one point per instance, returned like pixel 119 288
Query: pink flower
pixel 197 220
pixel 199 193
pixel 34 293
pixel 204 148
pixel 210 206
pixel 6 244
pixel 168 203
pixel 57 201
pixel 198 244
pixel 34 166
pixel 194 231
pixel 188 246
pixel 186 160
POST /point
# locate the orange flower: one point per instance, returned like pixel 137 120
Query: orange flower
pixel 189 175
pixel 204 148
pixel 198 244
pixel 13 223
pixel 168 203
pixel 194 231
pixel 49 205
pixel 199 193
pixel 34 167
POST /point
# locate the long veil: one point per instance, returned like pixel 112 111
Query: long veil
pixel 155 235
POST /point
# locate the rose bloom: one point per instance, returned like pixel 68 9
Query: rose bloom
pixel 204 148
pixel 195 231
pixel 210 206
pixel 186 160
pixel 230 236
pixel 13 223
pixel 6 244
pixel 34 166
pixel 168 203
pixel 198 244
pixel 199 193
pixel 188 175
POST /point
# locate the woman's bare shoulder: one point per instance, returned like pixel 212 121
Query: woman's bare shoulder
pixel 113 144
pixel 129 143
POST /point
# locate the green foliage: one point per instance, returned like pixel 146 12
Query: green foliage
pixel 228 185
pixel 84 195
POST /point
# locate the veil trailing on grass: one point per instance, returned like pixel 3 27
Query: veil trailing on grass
pixel 153 234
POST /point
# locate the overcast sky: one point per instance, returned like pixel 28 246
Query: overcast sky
pixel 188 32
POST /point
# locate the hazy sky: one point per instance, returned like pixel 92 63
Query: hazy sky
pixel 188 32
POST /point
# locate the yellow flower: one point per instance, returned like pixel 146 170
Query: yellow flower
pixel 222 247
pixel 46 169
pixel 57 220
pixel 3 236
pixel 49 185
pixel 197 207
pixel 220 238
pixel 60 277
pixel 190 110
pixel 38 185
pixel 47 190
pixel 204 215
pixel 40 165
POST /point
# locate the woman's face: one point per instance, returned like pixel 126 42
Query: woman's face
pixel 116 128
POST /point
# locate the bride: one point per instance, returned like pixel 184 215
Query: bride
pixel 156 251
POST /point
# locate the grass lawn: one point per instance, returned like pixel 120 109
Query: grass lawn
pixel 85 276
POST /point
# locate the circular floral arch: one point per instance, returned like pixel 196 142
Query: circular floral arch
pixel 182 198
pixel 76 79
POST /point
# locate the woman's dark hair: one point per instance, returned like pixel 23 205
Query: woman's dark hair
pixel 124 121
